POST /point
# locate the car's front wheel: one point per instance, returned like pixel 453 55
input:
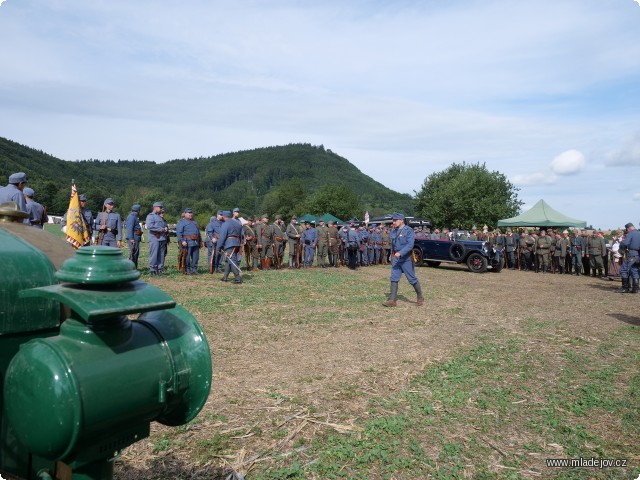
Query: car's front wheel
pixel 416 254
pixel 477 263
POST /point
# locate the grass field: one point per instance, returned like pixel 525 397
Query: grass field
pixel 313 378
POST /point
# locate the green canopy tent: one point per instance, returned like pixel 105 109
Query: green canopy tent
pixel 541 215
pixel 327 217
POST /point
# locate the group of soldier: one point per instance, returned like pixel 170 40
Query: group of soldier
pixel 17 191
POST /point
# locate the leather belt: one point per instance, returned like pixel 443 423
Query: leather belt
pixel 190 237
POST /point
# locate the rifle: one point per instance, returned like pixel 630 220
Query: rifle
pixel 100 238
pixel 182 259
pixel 45 218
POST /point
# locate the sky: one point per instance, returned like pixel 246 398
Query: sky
pixel 546 93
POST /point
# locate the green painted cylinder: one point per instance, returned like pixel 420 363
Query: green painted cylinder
pixel 95 388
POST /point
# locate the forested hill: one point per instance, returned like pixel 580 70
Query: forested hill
pixel 282 179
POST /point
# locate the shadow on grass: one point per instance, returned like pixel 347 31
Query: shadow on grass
pixel 170 466
pixel 626 318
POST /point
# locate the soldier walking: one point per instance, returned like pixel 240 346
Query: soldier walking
pixel 402 241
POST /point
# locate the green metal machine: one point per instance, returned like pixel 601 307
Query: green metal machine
pixel 89 356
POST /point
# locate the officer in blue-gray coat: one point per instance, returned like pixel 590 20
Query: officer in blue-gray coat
pixel 158 234
pixel 577 247
pixel 212 233
pixel 13 191
pixel 230 241
pixel 189 238
pixel 309 239
pixel 109 226
pixel 134 233
pixel 34 209
pixel 629 268
pixel 402 239
pixel 352 245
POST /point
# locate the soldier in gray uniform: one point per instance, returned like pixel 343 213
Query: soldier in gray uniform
pixel 189 238
pixel 158 233
pixel 323 243
pixel 86 214
pixel 577 246
pixel 34 209
pixel 293 232
pixel 278 236
pixel 13 191
pixel 109 226
pixel 134 233
pixel 231 239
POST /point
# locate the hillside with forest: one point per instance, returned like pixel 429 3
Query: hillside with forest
pixel 291 179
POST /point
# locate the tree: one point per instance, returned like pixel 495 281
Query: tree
pixel 464 195
pixel 286 199
pixel 338 200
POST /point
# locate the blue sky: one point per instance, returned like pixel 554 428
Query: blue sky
pixel 545 92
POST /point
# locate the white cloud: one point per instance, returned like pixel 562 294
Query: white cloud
pixel 543 177
pixel 628 154
pixel 568 163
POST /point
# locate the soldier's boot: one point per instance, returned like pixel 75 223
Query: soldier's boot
pixel 625 286
pixel 418 288
pixel 393 295
pixel 634 289
pixel 227 269
pixel 600 274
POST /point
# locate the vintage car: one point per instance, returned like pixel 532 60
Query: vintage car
pixel 479 256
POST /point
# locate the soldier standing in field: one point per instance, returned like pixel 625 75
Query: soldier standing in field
pixel 158 233
pixel 109 226
pixel 277 233
pixel 323 243
pixel 386 245
pixel 251 253
pixel 597 248
pixel 212 233
pixel 293 232
pixel 134 233
pixel 334 244
pixel 630 248
pixel 190 240
pixel 231 239
pixel 577 247
pixel 13 192
pixel 309 240
pixel 265 242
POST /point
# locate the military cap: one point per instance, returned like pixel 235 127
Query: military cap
pixel 226 213
pixel 628 225
pixel 264 215
pixel 307 222
pixel 278 217
pixel 29 192
pixel 294 218
pixel 159 204
pixel 188 210
pixel 18 177
pixel 109 201
pixel 508 230
pixel 236 210
pixel 82 197
pixel 397 216
pixel 251 219
pixel 220 212
pixel 135 208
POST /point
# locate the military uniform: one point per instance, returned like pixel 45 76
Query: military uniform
pixel 278 236
pixel 231 238
pixel 629 269
pixel 323 244
pixel 212 233
pixel 386 245
pixel 251 253
pixel 265 242
pixel 293 233
pixel 527 243
pixel 309 240
pixel 510 246
pixel 134 233
pixel 158 234
pixel 108 224
pixel 36 213
pixel 334 244
pixel 402 241
pixel 597 248
pixel 363 256
pixel 577 247
pixel 13 191
pixel 352 245
pixel 560 252
pixel 190 239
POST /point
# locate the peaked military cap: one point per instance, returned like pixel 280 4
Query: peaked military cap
pixel 226 213
pixel 628 225
pixel 294 218
pixel 188 210
pixel 29 192
pixel 251 219
pixel 108 201
pixel 220 212
pixel 82 197
pixel 18 177
pixel 159 204
pixel 278 217
pixel 397 216
pixel 135 208
pixel 236 210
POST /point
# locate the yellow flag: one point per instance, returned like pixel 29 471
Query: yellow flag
pixel 77 230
